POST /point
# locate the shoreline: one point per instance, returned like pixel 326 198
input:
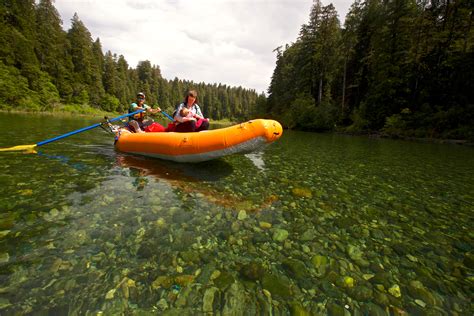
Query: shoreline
pixel 59 113
pixel 463 142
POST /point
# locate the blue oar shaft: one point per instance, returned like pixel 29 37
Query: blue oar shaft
pixel 44 142
pixel 167 115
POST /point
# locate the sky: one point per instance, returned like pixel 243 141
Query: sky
pixel 213 41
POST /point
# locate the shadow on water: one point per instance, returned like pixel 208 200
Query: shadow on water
pixel 64 160
pixel 209 171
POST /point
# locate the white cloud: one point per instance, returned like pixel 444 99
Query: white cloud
pixel 223 41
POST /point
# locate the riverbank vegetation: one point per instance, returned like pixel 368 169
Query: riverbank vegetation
pixel 403 68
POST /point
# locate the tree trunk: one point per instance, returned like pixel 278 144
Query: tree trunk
pixel 320 92
pixel 344 86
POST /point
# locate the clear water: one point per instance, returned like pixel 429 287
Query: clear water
pixel 313 224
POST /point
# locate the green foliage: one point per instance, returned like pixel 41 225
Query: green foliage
pixel 300 113
pixel 81 97
pixel 43 67
pixel 389 56
pixel 359 124
pixel 110 103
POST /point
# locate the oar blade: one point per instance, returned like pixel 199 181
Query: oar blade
pixel 28 148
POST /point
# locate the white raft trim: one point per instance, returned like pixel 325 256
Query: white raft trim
pixel 244 147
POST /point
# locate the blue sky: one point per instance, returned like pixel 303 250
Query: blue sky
pixel 222 41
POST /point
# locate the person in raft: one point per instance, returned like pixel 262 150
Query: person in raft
pixel 138 122
pixel 191 119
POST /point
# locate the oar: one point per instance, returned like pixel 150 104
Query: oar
pixel 167 115
pixel 44 142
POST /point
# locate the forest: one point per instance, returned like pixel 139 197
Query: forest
pixel 403 68
pixel 399 67
pixel 44 68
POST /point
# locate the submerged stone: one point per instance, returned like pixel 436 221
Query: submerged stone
pixel 252 271
pixel 296 309
pixel 4 257
pixel 224 280
pixel 236 300
pixel 4 303
pixel 276 285
pixel 242 215
pixel 208 299
pixel 280 235
pixel 348 281
pixel 302 192
pixel 162 281
pixel 395 290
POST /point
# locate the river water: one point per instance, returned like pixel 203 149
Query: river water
pixel 313 224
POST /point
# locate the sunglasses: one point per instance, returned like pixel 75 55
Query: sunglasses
pixel 191 96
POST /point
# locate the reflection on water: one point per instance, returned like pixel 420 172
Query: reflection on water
pixel 314 224
pixel 257 160
pixel 162 169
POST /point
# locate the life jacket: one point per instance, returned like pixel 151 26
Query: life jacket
pixel 137 117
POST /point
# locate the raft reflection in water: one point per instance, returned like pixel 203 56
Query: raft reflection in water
pixel 160 169
pixel 201 178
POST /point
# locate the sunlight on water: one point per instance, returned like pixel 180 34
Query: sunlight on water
pixel 314 224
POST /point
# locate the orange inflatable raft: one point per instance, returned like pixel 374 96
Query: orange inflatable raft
pixel 201 146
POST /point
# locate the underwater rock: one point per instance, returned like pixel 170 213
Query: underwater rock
pixel 280 235
pixel 420 303
pixel 242 215
pixel 295 267
pixel 335 310
pixel 224 280
pixel 374 310
pixel 395 290
pixel 110 294
pixel 4 257
pixel 368 276
pixel 381 299
pixel 348 282
pixel 162 281
pixel 305 249
pixel 417 290
pixel 206 272
pixel 188 297
pixel 382 277
pixel 320 263
pixel 468 260
pixel 302 192
pixel 4 303
pixel 215 275
pixel 235 300
pixel 190 256
pixel 162 304
pixel 296 309
pixel 361 293
pixel 356 255
pixel 235 227
pixel 208 299
pixel 146 250
pixel 276 285
pixel 184 280
pixel 308 235
pixel 252 271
